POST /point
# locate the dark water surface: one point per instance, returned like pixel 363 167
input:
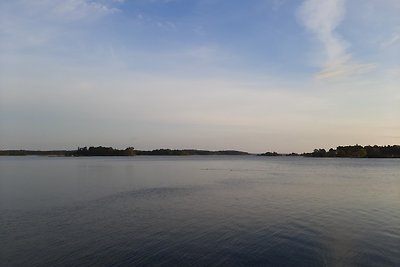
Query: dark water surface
pixel 199 211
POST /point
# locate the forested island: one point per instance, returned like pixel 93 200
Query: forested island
pixel 355 151
pixel 270 154
pixel 188 152
pixel 103 151
pixel 109 151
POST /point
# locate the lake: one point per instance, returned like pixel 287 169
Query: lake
pixel 199 211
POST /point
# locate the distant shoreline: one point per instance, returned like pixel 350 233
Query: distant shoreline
pixel 356 151
pixel 109 151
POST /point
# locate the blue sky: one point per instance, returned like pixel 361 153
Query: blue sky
pixel 210 74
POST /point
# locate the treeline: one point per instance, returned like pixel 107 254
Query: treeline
pixel 55 153
pixel 130 151
pixel 270 154
pixel 104 151
pixel 358 151
pixel 109 151
pixel 84 151
pixel 187 152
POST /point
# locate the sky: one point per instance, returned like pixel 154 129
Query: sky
pixel 257 75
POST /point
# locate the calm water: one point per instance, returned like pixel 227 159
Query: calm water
pixel 199 211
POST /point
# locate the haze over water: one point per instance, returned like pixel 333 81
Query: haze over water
pixel 199 211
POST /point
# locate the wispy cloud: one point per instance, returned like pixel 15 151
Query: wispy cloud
pixel 322 17
pixel 277 4
pixel 59 9
pixel 343 68
pixel 78 9
pixel 395 38
pixel 27 24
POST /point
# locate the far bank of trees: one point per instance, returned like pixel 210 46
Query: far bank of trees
pixel 187 152
pixel 53 153
pixel 109 151
pixel 130 151
pixel 358 151
pixel 104 151
pixel 270 154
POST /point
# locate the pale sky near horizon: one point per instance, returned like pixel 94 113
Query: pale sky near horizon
pixel 257 75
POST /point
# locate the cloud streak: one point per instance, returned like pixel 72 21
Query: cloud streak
pixel 322 17
pixel 395 38
pixel 59 10
pixel 26 25
pixel 78 9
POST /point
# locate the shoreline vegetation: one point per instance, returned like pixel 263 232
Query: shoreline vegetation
pixel 355 151
pixel 109 151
